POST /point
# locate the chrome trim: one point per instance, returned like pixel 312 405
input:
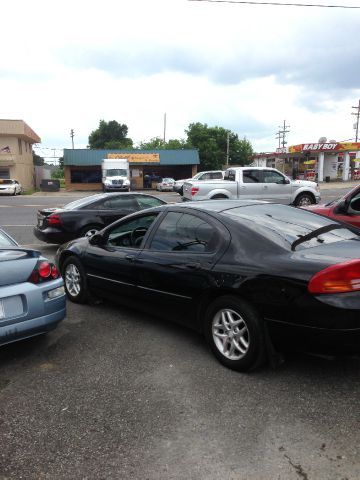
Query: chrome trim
pixel 111 280
pixel 166 293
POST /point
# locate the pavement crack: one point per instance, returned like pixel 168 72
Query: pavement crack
pixel 298 468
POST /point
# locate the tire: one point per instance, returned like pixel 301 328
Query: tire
pixel 90 230
pixel 74 277
pixel 240 346
pixel 304 199
pixel 181 191
pixel 14 194
pixel 219 197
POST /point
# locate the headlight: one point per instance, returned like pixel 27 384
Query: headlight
pixel 126 182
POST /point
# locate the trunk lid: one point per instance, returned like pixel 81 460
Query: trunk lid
pixel 17 264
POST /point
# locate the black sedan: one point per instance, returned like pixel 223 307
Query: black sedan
pixel 250 275
pixel 86 216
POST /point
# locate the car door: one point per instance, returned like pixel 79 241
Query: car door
pixel 275 188
pixel 115 207
pixel 251 188
pixel 110 259
pixel 175 267
pixel 352 213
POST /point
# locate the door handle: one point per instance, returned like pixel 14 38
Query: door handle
pixel 193 266
pixel 130 258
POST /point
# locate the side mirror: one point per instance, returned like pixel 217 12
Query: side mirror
pixel 286 181
pixel 97 239
pixel 342 207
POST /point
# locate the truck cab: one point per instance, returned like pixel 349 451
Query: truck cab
pixel 115 175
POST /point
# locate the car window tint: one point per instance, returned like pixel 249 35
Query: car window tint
pixel 182 232
pixel 284 225
pixel 148 202
pixel 125 202
pixel 252 176
pixel 272 177
pixel 216 175
pixel 206 176
pixel 122 235
pixel 230 175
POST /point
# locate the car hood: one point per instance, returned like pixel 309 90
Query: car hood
pixel 17 264
pixel 321 209
pixel 303 183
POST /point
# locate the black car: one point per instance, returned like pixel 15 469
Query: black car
pixel 88 215
pixel 250 275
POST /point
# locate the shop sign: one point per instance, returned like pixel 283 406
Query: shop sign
pixel 320 146
pixel 325 147
pixel 137 157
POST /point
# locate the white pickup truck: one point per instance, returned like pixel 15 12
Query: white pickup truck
pixel 255 183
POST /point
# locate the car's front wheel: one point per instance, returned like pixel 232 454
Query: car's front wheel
pixel 74 277
pixel 304 199
pixel 235 333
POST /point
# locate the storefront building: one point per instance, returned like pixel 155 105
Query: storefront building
pixel 16 158
pixel 82 167
pixel 316 161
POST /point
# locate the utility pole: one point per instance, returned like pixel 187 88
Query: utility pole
pixel 281 134
pixel 164 129
pixel 227 148
pixel 72 137
pixel 356 126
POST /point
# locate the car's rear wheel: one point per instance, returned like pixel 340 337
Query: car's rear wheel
pixel 75 280
pixel 235 333
pixel 90 230
pixel 304 199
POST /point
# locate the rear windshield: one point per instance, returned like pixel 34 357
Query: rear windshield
pixel 82 202
pixel 286 225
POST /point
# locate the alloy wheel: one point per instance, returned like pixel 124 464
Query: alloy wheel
pixel 230 334
pixel 72 280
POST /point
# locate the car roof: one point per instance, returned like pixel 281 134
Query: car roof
pixel 213 205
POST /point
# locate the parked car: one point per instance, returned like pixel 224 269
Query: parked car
pixel 208 175
pixel 256 183
pixel 10 187
pixel 32 295
pixel 345 209
pixel 165 184
pixel 247 274
pixel 88 215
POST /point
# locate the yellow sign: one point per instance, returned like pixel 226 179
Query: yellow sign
pixel 310 162
pixel 137 157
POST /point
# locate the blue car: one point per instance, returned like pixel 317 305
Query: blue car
pixel 32 297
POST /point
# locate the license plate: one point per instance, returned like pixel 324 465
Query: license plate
pixel 2 310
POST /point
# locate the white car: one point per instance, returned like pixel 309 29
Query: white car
pixel 208 175
pixel 165 184
pixel 9 187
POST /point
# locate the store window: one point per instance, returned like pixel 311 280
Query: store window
pixel 4 173
pixel 85 176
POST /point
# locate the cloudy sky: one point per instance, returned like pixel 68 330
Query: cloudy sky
pixel 66 65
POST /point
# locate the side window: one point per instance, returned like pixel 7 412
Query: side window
pixel 252 176
pixel 125 203
pixel 272 177
pixel 206 176
pixel 148 202
pixel 130 233
pixel 183 232
pixel 230 175
pixel 216 175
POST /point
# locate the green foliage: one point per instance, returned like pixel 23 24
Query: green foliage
pixel 110 135
pixel 38 160
pixel 61 163
pixel 212 145
pixel 57 174
pixel 158 143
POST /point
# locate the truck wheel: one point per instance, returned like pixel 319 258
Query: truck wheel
pixel 304 199
pixel 219 197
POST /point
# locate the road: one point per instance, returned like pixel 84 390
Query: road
pixel 114 394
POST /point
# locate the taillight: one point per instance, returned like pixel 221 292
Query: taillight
pixel 194 190
pixel 53 219
pixel 340 278
pixel 44 271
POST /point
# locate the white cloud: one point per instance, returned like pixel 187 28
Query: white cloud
pixel 247 68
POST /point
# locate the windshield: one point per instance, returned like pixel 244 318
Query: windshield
pixel 7 182
pixel 116 172
pixel 291 227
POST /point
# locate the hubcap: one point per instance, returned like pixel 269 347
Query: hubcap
pixel 91 232
pixel 305 201
pixel 72 280
pixel 230 334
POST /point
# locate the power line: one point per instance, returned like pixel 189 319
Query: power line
pixel 277 4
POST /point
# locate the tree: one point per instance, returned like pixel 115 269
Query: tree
pixel 110 135
pixel 38 160
pixel 212 145
pixel 158 143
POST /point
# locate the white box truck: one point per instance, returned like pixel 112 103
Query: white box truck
pixel 115 175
